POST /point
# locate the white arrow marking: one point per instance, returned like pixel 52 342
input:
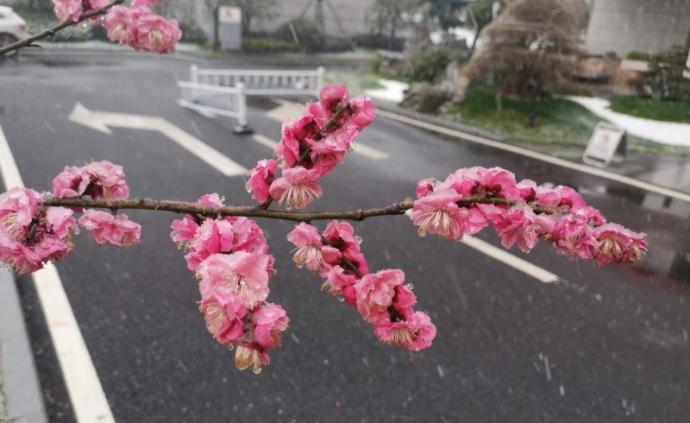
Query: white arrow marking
pixel 103 121
pixel 83 386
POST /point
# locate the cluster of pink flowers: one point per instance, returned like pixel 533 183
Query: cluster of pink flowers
pixel 382 298
pixel 135 25
pixel 311 147
pixel 32 234
pixel 521 213
pixel 71 10
pixel 230 259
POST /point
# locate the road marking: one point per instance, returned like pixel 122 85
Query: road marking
pixel 83 386
pixel 540 156
pixel 369 152
pixel 515 262
pixel 265 141
pixel 358 148
pixel 102 121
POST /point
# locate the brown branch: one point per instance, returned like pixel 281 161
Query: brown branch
pixel 26 42
pixel 183 207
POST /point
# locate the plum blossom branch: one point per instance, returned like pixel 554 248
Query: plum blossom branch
pixel 26 42
pixel 183 207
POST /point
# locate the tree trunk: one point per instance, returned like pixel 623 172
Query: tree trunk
pixel 216 28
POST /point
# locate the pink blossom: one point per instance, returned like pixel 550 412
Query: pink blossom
pixel 154 33
pixel 270 320
pixel 363 112
pixel 60 221
pixel 248 236
pixel 570 198
pixel 439 213
pixel 619 245
pixel 516 225
pixel 331 96
pixel 223 314
pixel 375 293
pixel 106 228
pixel 404 300
pixel 295 138
pixel 30 237
pixel 68 10
pixel 119 23
pixel 414 334
pixel 240 274
pixel 297 188
pixel 97 180
pixel 426 187
pixel 490 182
pixel 307 239
pixel 224 236
pixel 18 207
pixel 527 189
pixel 211 200
pixel 260 179
pixel 183 230
pixel 141 29
pixel 90 5
pixel 341 236
pixel 574 237
pixel 212 237
pixel 143 3
pixel 251 355
pixel 339 282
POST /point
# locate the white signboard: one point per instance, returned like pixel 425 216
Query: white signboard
pixel 687 67
pixel 229 14
pixel 604 144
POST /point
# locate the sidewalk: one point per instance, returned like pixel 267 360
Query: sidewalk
pixel 21 400
pixel 677 134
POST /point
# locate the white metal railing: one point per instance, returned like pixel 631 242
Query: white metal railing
pixel 224 91
pixel 262 81
pixel 224 101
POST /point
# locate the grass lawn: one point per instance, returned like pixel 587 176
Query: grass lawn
pixel 558 121
pixel 649 108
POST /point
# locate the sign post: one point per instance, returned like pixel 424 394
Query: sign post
pixel 230 20
pixel 606 141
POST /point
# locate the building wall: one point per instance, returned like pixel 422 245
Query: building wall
pixel 622 26
pixel 351 13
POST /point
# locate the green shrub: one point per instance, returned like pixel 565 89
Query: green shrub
pixel 427 66
pixel 268 45
pixel 639 55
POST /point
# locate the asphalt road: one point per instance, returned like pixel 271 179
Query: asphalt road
pixel 601 345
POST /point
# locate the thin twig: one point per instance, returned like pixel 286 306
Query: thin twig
pixel 183 207
pixel 26 42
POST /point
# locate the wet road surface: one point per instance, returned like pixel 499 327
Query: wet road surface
pixel 600 345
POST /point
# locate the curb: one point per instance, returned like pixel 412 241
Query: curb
pixel 23 396
pixel 471 130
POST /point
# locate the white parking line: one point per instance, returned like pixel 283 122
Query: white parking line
pixel 83 386
pixel 539 156
pixel 358 148
pixel 515 262
pixel 265 141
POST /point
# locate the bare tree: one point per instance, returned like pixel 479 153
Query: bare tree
pixel 530 46
pixel 386 16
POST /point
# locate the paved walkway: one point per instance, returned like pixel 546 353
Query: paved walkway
pixel 669 133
